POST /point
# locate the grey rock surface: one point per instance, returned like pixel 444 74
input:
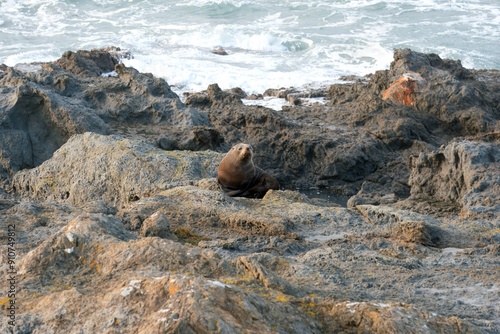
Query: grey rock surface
pixel 43 105
pixel 112 169
pixel 108 182
pixel 464 172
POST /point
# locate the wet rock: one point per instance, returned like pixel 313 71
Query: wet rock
pixel 454 100
pixel 219 51
pixel 88 63
pixel 294 96
pixel 281 93
pixel 293 99
pixel 37 121
pixel 214 97
pixel 238 92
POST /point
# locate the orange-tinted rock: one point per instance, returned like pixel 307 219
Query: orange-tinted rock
pixel 402 91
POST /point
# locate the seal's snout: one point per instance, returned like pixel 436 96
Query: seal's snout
pixel 245 151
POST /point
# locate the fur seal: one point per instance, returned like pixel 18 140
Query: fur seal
pixel 239 177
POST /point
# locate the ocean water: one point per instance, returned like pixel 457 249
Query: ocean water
pixel 270 44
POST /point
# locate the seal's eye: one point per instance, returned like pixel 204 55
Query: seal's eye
pixel 239 149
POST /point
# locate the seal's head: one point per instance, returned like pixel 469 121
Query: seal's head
pixel 244 152
pixel 237 168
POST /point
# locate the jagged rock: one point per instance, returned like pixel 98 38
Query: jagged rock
pixel 410 227
pixel 280 93
pixel 404 89
pixel 355 317
pixel 238 92
pixel 301 156
pixel 114 234
pixel 241 275
pixel 293 96
pixel 198 139
pixel 36 121
pixel 454 100
pixel 219 51
pixel 465 172
pixel 214 97
pixel 88 63
pixel 41 108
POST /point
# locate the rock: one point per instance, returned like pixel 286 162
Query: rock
pixel 219 51
pixel 406 59
pixel 113 234
pixel 198 139
pixel 452 99
pixel 293 96
pixel 404 89
pixel 257 265
pixel 465 173
pixel 42 108
pixel 356 200
pixel 281 93
pixel 406 227
pixel 240 276
pixel 88 63
pixel 193 208
pixel 301 157
pixel 99 206
pixel 238 92
pixel 157 225
pixel 293 99
pixel 113 169
pixel 214 97
pixel 410 227
pixel 38 121
pixel 355 317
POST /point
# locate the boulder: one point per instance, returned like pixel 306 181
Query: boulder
pixel 112 169
pixel 219 51
pixel 465 172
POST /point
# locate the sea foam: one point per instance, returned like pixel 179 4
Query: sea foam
pixel 270 44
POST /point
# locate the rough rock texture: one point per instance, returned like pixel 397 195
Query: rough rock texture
pixel 108 181
pixel 405 88
pixel 112 169
pixel 464 172
pixel 43 105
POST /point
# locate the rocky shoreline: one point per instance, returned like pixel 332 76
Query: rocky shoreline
pixel 112 221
